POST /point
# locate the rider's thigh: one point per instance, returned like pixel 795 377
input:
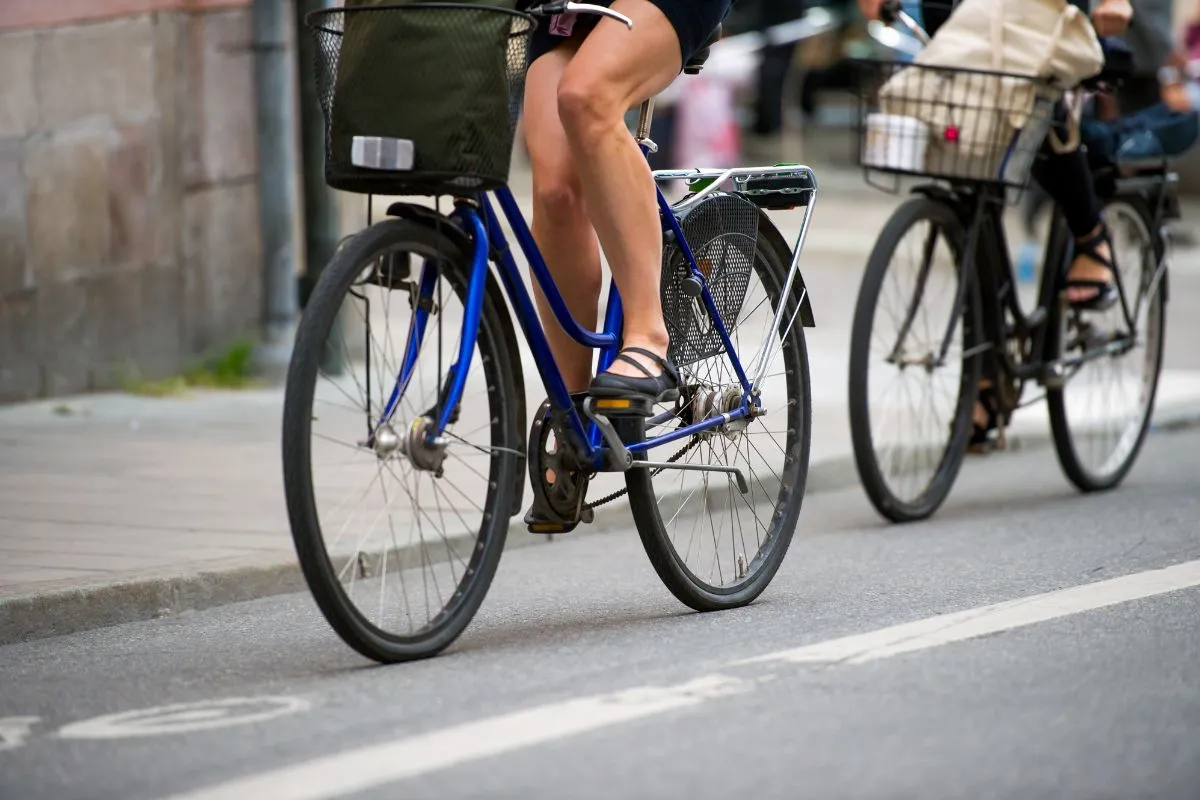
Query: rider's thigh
pixel 617 68
pixel 556 185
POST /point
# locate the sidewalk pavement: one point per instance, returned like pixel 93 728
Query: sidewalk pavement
pixel 116 508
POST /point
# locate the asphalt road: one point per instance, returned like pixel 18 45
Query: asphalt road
pixel 583 678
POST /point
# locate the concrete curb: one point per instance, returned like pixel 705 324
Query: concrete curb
pixel 134 597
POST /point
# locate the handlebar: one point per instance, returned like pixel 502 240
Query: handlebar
pixel 892 12
pixel 564 7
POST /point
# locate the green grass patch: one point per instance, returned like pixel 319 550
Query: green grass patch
pixel 231 368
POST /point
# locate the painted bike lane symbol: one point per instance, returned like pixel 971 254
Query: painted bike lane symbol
pixel 205 715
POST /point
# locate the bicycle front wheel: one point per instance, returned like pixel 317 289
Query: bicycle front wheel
pixel 914 362
pixel 1101 413
pixel 713 546
pixel 398 533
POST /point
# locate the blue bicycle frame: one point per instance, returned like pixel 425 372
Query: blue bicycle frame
pixel 478 219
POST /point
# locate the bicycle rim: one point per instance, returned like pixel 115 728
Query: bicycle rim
pixel 397 538
pixel 911 390
pixel 713 546
pixel 1101 414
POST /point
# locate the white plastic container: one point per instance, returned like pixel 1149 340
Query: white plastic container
pixel 895 142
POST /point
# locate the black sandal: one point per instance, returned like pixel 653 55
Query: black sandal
pixel 1106 291
pixel 617 394
pixel 981 436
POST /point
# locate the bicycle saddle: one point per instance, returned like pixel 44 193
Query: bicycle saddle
pixel 698 59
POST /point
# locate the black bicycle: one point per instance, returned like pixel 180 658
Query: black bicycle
pixel 939 314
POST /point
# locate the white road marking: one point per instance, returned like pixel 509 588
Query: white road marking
pixel 377 765
pixel 985 620
pixel 184 718
pixel 14 731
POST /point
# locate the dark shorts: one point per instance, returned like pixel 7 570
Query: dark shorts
pixel 693 21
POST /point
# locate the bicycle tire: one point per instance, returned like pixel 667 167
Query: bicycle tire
pixel 882 496
pixel 772 260
pixel 325 303
pixel 1065 445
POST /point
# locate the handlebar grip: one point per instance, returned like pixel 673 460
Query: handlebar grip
pixel 889 11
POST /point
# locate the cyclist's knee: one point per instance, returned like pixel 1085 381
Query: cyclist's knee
pixel 587 106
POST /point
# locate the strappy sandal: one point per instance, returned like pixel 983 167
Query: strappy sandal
pixel 626 395
pixel 981 436
pixel 1106 290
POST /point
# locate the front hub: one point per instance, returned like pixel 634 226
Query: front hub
pixel 414 443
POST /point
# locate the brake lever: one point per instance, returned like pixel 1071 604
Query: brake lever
pixel 566 7
pixel 916 30
pixel 891 12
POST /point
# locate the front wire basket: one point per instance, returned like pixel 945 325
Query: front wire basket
pixel 958 125
pixel 439 85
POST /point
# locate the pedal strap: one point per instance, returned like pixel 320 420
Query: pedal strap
pixel 1090 247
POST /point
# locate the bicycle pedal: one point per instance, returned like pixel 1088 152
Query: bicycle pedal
pixel 620 459
pixel 542 520
pixel 627 406
pixel 551 528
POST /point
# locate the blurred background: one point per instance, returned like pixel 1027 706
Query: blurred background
pixel 161 193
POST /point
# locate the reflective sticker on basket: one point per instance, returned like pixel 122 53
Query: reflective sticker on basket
pixel 563 24
pixel 382 152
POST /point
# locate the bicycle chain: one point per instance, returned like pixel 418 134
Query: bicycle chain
pixel 618 495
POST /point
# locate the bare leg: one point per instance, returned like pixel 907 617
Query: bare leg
pixel 561 226
pixel 615 69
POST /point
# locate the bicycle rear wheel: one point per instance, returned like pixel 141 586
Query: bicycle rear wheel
pixel 1101 414
pixel 910 409
pixel 398 537
pixel 712 546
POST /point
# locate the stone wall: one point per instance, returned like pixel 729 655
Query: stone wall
pixel 129 235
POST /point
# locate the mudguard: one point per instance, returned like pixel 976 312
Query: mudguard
pixel 767 229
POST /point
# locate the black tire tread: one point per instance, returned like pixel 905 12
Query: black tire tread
pixel 1060 426
pixel 907 215
pixel 774 253
pixel 323 305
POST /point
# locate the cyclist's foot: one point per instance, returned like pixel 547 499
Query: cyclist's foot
pixel 1090 284
pixel 985 417
pixel 637 380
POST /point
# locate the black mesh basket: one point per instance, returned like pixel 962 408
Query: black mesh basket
pixel 722 231
pixel 420 98
pixel 963 126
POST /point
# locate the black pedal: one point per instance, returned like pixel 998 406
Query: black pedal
pixel 546 528
pixel 541 519
pixel 623 407
pixel 619 457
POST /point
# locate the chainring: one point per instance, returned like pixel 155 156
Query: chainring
pixel 560 499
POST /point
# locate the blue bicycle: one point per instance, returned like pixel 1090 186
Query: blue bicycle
pixel 405 456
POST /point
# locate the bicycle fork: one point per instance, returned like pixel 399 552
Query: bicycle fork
pixel 424 442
